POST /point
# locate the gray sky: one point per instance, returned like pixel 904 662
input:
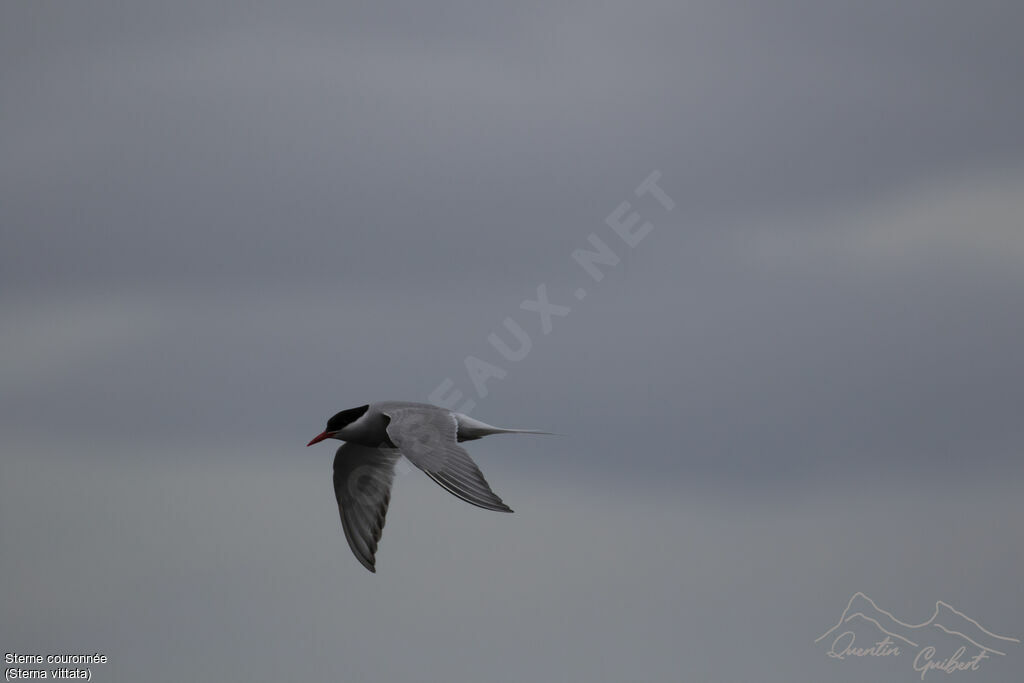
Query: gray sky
pixel 220 225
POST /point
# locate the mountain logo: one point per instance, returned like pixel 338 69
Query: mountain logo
pixel 949 642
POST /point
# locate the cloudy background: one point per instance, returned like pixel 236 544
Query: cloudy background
pixel 221 224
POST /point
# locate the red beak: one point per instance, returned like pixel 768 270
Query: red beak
pixel 318 438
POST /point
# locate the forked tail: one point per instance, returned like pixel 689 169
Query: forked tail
pixel 470 429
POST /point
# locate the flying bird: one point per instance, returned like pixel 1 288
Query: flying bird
pixel 375 436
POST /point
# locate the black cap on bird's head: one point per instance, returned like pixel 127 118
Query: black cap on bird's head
pixel 338 422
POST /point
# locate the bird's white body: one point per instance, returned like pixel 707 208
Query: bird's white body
pixel 371 428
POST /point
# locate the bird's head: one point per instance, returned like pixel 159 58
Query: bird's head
pixel 336 425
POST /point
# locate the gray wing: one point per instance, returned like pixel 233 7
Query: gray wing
pixel 362 485
pixel 428 439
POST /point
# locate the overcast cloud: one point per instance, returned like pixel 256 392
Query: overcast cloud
pixel 221 224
